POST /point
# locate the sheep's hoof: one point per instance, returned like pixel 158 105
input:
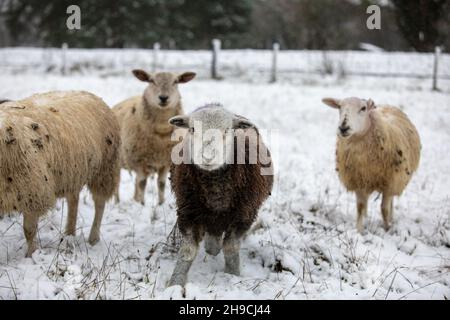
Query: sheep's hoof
pixel 70 233
pixel 175 292
pixel 139 200
pixel 233 270
pixel 232 266
pixel 93 239
pixel 30 251
pixel 177 280
pixel 360 227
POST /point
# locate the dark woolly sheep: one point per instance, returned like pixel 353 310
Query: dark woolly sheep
pixel 219 187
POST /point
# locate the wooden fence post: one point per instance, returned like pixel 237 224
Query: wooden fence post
pixel 64 58
pixel 276 48
pixel 216 45
pixel 437 53
pixel 156 48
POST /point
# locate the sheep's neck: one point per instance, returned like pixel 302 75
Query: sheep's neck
pixel 158 117
pixel 216 188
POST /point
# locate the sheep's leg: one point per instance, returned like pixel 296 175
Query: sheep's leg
pixel 361 204
pixel 188 252
pixel 391 213
pixel 386 210
pixel 116 192
pixel 30 226
pixel 139 191
pixel 162 177
pixel 213 244
pixel 72 201
pixel 231 246
pixel 94 235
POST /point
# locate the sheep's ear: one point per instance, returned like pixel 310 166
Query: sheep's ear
pixel 142 75
pixel 370 104
pixel 186 77
pixel 180 121
pixel 334 103
pixel 242 123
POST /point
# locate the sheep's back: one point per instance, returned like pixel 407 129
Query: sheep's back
pixel 383 160
pixel 128 106
pixel 62 141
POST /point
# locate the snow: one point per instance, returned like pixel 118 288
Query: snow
pixel 304 244
pixel 370 47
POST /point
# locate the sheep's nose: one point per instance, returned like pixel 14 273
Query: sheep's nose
pixel 163 99
pixel 344 129
pixel 208 157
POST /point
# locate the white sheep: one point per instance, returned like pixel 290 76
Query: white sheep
pixel 145 132
pixel 51 145
pixel 378 150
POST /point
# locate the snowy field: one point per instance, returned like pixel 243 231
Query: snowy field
pixel 304 244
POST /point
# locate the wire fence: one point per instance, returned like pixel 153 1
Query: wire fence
pixel 219 64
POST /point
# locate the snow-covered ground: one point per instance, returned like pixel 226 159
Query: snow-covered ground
pixel 304 245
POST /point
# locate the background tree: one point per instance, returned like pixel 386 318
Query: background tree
pixel 115 23
pixel 104 23
pixel 420 22
pixel 191 24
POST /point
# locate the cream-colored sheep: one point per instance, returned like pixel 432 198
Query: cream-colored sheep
pixel 145 131
pixel 378 149
pixel 51 145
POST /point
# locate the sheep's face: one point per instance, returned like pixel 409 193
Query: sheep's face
pixel 162 90
pixel 210 138
pixel 354 115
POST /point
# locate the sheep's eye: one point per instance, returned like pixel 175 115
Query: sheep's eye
pixel 191 130
pixel 363 109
